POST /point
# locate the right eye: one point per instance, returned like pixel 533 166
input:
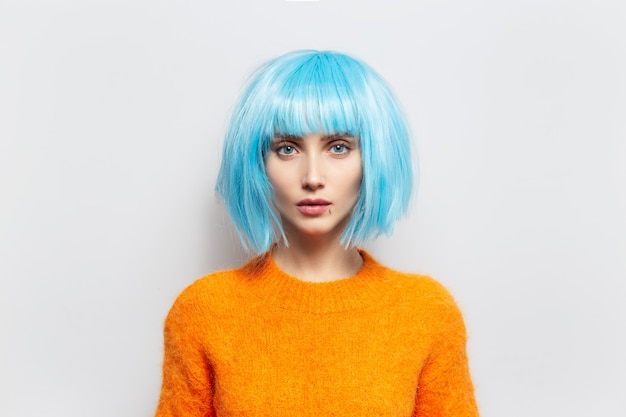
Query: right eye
pixel 285 150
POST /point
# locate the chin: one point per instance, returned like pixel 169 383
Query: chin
pixel 315 228
pixel 316 232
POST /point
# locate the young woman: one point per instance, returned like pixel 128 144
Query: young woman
pixel 316 161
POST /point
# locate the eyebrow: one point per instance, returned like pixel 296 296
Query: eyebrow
pixel 324 137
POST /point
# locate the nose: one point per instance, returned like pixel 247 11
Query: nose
pixel 313 176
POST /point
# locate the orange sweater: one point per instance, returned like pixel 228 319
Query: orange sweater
pixel 255 341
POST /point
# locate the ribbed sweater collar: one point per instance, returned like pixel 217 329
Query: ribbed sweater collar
pixel 365 290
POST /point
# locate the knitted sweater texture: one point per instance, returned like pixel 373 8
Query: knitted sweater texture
pixel 255 341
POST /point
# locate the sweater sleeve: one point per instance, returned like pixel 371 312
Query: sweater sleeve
pixel 445 387
pixel 186 390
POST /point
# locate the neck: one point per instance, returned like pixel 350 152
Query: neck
pixel 316 259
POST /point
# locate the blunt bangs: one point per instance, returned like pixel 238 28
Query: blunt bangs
pixel 319 97
pixel 306 92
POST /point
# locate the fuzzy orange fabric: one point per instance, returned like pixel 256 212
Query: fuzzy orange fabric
pixel 255 341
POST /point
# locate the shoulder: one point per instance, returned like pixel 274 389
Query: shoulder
pixel 208 287
pixel 421 293
pixel 430 290
pixel 432 308
pixel 421 286
pixel 425 291
pixel 210 293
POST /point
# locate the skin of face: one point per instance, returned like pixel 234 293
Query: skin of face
pixel 316 181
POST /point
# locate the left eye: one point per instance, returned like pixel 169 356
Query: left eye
pixel 338 148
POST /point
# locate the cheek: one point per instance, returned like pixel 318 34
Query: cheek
pixel 279 183
pixel 271 173
pixel 357 171
pixel 358 178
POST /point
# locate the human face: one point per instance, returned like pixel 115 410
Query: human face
pixel 316 181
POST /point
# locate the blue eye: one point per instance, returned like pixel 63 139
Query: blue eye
pixel 339 148
pixel 286 150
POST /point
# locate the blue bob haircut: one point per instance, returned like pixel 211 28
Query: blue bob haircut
pixel 305 92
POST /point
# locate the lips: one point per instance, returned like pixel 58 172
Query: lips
pixel 313 207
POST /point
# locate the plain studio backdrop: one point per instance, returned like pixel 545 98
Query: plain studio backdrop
pixel 111 121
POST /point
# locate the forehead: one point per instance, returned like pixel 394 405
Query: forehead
pixel 305 116
pixel 304 93
pixel 302 106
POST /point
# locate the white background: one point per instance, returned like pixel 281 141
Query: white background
pixel 111 116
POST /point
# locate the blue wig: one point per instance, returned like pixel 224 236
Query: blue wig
pixel 306 92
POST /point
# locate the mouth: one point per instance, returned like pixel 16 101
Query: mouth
pixel 313 207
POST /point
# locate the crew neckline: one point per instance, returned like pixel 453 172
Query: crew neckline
pixel 272 285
